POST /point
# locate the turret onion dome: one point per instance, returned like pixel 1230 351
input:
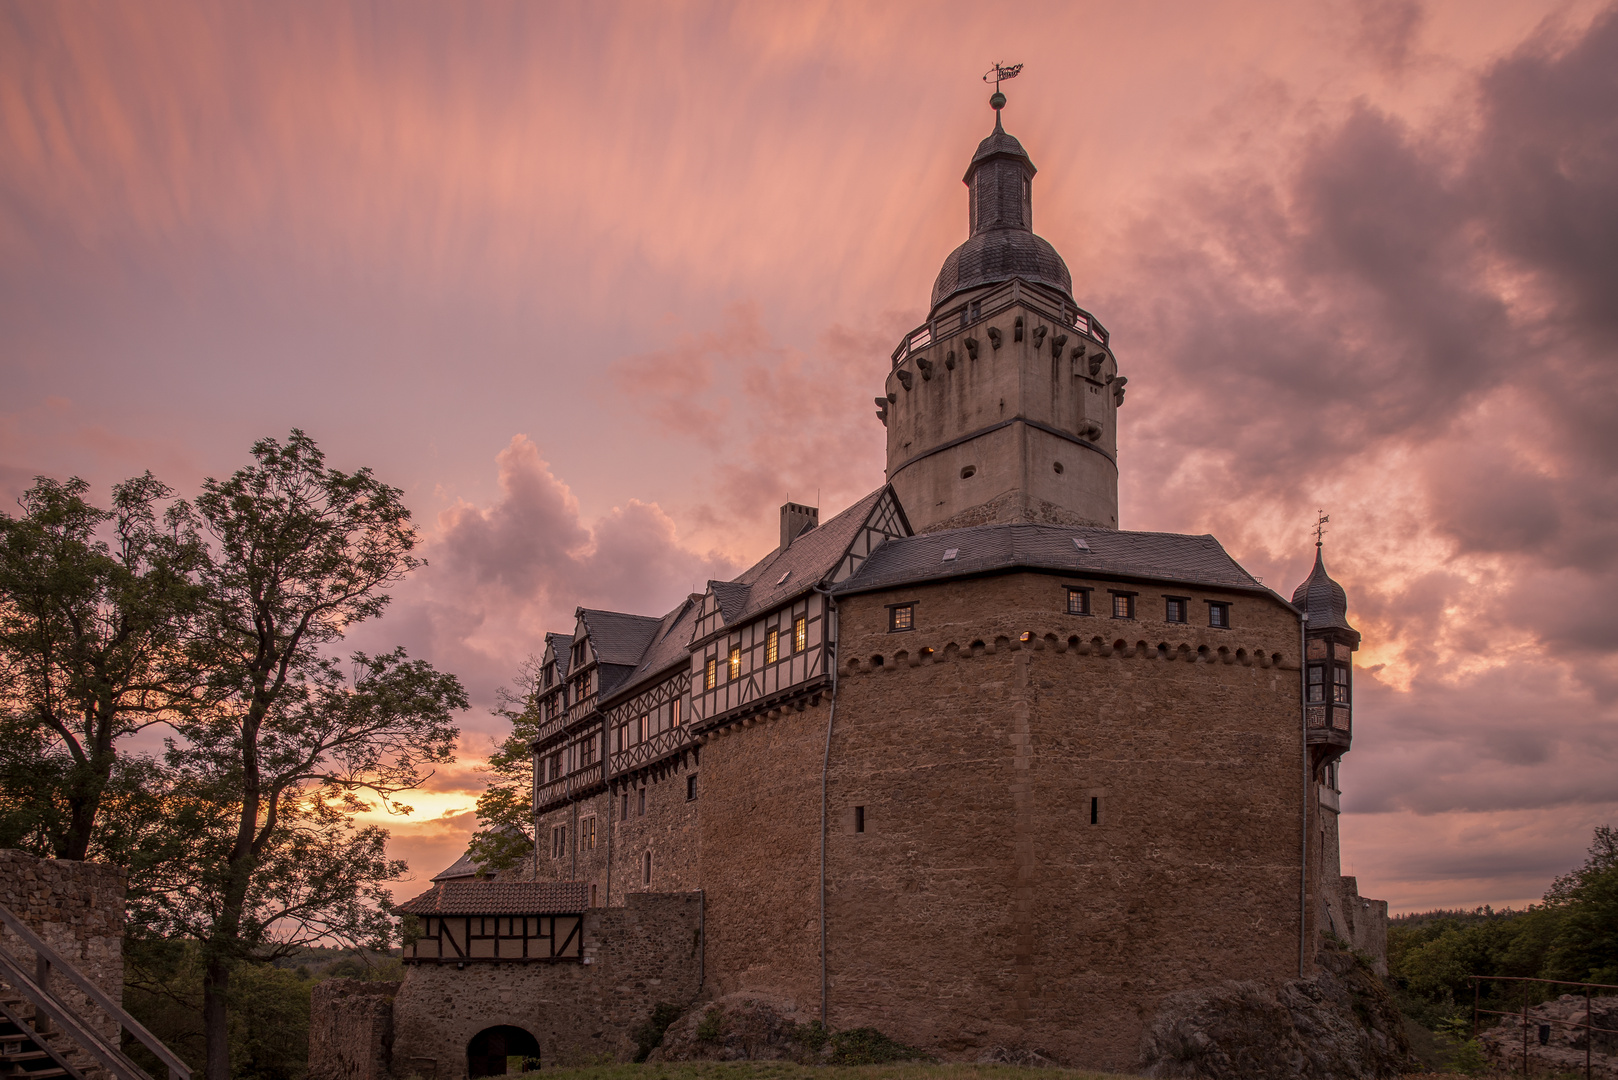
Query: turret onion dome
pixel 1323 599
pixel 1002 244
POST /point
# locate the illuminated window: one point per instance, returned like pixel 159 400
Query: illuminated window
pixel 772 646
pixel 1218 614
pixel 1317 682
pixel 901 617
pixel 800 634
pixel 710 677
pixel 733 665
pixel 1123 605
pixel 1078 601
pixel 1174 609
pixel 1339 683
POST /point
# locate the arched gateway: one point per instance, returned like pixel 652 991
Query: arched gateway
pixel 486 1054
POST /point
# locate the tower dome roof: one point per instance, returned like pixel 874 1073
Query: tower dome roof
pixel 1323 599
pixel 1002 244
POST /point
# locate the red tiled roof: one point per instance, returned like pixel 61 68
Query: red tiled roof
pixel 500 898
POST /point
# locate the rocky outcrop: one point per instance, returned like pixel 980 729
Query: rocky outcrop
pixel 1338 1025
pixel 744 1026
pixel 1553 1043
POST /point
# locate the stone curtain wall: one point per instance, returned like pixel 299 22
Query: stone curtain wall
pixel 78 908
pixel 636 956
pixel 668 830
pixel 981 908
pixel 351 1030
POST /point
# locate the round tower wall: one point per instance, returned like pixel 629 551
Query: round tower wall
pixel 980 906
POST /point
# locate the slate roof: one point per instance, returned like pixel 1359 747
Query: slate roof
pixel 1189 560
pixel 618 637
pixel 669 647
pixel 804 563
pixel 1323 599
pixel 464 867
pixel 990 256
pixel 500 898
pixel 562 646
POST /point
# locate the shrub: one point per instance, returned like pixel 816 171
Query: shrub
pixel 868 1046
pixel 711 1026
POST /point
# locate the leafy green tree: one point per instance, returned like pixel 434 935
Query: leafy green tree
pixel 506 808
pixel 1586 947
pixel 291 743
pixel 95 609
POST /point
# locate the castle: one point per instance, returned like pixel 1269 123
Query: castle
pixel 966 762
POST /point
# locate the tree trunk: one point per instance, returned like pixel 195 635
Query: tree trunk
pixel 215 1020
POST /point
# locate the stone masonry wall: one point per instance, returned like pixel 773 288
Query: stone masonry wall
pixel 78 908
pixel 351 1030
pixel 636 956
pixel 980 907
pixel 761 855
pixel 667 828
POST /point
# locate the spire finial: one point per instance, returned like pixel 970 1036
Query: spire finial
pixel 1321 519
pixel 996 75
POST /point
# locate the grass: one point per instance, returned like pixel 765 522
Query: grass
pixel 781 1070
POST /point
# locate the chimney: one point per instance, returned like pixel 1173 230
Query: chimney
pixel 796 519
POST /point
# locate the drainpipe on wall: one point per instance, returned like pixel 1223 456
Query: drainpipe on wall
pixel 1303 850
pixel 825 772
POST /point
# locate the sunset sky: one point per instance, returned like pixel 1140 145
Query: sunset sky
pixel 599 286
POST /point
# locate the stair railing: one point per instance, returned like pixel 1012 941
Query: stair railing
pixel 36 990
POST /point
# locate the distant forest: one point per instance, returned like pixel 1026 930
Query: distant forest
pixel 1572 935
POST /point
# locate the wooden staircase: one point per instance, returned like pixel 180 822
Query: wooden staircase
pixel 43 1037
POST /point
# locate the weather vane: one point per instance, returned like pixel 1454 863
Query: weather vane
pixel 996 75
pixel 1320 526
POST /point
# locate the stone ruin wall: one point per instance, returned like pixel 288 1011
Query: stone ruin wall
pixel 649 951
pixel 78 908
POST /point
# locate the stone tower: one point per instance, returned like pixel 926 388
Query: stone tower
pixel 1002 407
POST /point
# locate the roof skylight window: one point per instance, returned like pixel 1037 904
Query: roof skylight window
pixel 951 554
pixel 1078 542
pixel 782 580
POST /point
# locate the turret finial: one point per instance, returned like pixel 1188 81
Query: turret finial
pixel 997 74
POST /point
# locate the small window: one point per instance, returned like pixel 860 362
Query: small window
pixel 1123 605
pixel 772 646
pixel 859 819
pixel 1339 683
pixel 642 812
pixel 646 869
pixel 969 472
pixel 1095 810
pixel 558 841
pixel 901 617
pixel 710 677
pixel 674 711
pixel 733 665
pixel 1174 609
pixel 1078 601
pixel 1218 614
pixel 587 834
pixel 1317 683
pixel 800 634
pixel 593 896
pixel 691 788
pixel 625 815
